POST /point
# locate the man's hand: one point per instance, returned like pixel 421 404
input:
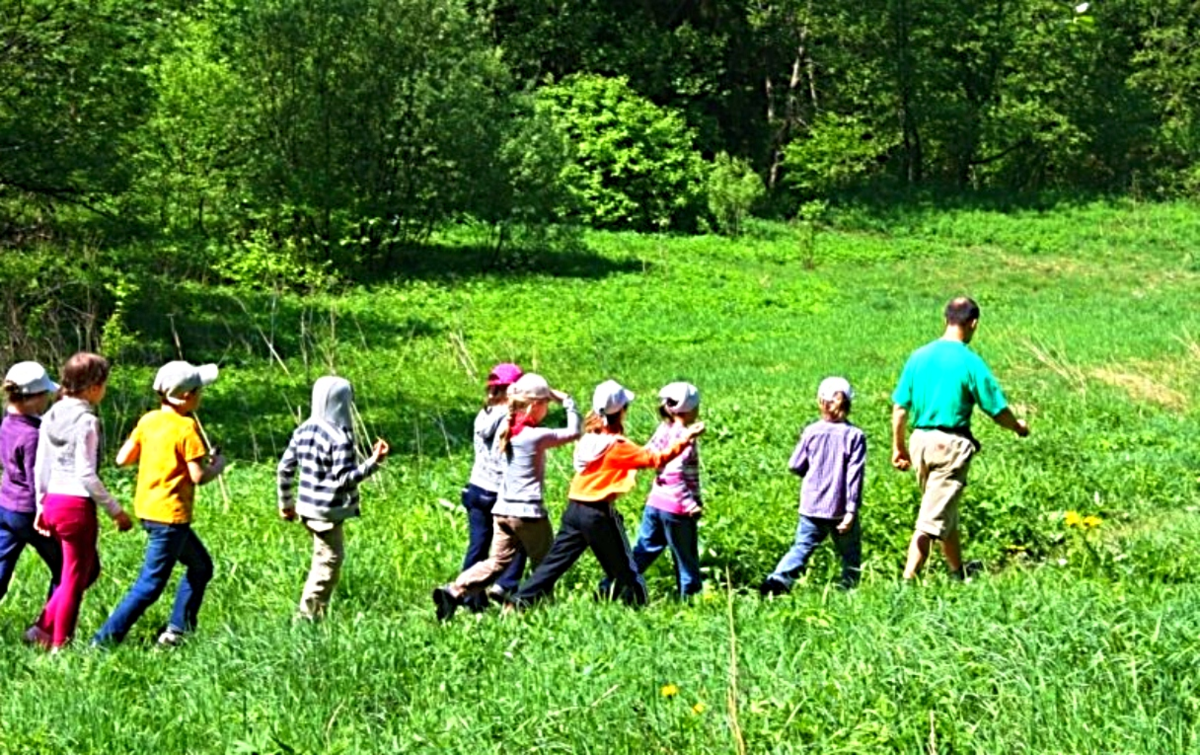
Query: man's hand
pixel 846 523
pixel 901 460
pixel 1022 429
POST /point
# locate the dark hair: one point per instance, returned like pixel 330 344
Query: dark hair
pixel 961 310
pixel 82 371
pixel 14 392
pixel 596 422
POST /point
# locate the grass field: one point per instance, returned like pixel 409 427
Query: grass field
pixel 1072 641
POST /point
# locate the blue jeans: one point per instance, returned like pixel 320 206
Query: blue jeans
pixel 811 532
pixel 16 531
pixel 478 503
pixel 661 530
pixel 167 544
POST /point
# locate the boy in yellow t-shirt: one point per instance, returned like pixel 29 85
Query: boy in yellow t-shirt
pixel 171 460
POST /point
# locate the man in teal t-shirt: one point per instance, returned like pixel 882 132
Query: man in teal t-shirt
pixel 941 384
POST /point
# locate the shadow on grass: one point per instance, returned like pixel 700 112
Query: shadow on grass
pixel 449 262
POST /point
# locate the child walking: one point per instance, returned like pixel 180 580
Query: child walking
pixel 172 460
pixel 479 496
pixel 830 457
pixel 323 450
pixel 673 506
pixel 606 463
pixel 521 524
pixel 29 391
pixel 68 489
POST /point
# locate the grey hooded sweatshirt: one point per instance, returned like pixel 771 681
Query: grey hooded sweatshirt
pixel 323 450
pixel 68 454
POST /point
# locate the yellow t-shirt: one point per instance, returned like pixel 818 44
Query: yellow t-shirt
pixel 165 441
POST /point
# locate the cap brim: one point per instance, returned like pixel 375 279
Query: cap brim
pixel 208 374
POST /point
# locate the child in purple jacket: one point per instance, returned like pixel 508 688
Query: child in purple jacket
pixel 29 390
pixel 830 457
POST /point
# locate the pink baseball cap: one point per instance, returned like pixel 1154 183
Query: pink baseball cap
pixel 504 374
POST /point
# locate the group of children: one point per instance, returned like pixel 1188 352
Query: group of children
pixel 51 488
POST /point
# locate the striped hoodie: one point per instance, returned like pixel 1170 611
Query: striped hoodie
pixel 322 449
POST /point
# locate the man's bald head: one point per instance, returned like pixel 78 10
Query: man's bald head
pixel 961 311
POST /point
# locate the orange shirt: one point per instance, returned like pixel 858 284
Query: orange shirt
pixel 614 472
pixel 164 442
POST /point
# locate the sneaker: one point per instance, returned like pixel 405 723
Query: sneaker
pixel 497 594
pixel 171 638
pixel 771 587
pixel 445 601
pixel 35 635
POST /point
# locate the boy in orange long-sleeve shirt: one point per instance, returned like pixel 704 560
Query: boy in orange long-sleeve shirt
pixel 606 463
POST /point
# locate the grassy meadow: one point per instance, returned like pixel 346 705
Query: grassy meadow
pixel 1071 641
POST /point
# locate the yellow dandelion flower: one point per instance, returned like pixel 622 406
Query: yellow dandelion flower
pixel 699 708
pixel 1072 519
pixel 1092 521
pixel 669 690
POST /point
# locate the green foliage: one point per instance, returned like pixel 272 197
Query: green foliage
pixel 733 189
pixel 635 167
pixel 838 152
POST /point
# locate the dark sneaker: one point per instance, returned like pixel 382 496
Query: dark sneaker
pixel 445 602
pixel 771 587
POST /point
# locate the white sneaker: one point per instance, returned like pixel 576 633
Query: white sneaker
pixel 171 637
pixel 35 635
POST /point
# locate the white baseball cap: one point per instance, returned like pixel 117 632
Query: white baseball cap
pixel 530 387
pixel 175 378
pixel 831 386
pixel 29 378
pixel 680 398
pixel 611 397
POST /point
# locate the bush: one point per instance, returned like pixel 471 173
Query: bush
pixel 635 167
pixel 733 189
pixel 837 152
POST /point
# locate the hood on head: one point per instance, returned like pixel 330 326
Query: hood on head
pixel 332 398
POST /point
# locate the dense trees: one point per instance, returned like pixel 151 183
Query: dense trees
pixel 339 130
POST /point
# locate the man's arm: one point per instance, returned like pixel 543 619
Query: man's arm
pixel 1006 419
pixel 900 457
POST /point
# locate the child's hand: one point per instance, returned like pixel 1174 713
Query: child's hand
pixel 558 396
pixel 39 523
pixel 695 431
pixel 123 522
pixel 846 523
pixel 217 465
pixel 381 450
pixel 288 514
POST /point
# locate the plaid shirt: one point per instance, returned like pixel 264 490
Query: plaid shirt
pixel 329 473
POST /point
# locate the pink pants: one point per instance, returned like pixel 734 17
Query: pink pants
pixel 72 521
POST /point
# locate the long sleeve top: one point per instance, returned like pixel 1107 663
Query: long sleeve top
pixel 328 470
pixel 831 457
pixel 18 451
pixel 606 465
pixel 68 454
pixel 525 466
pixel 676 489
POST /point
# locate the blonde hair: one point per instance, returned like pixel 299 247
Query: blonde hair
pixel 515 404
pixel 595 422
pixel 837 409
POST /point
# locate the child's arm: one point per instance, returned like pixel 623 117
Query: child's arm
pixel 551 438
pixel 87 451
pixel 627 455
pixel 202 473
pixel 130 451
pixel 855 468
pixel 285 475
pixel 345 474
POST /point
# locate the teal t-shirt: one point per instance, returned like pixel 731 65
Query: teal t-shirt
pixel 940 384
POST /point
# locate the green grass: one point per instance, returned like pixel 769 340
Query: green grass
pixel 1071 642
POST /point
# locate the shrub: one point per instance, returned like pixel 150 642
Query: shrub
pixel 635 167
pixel 733 189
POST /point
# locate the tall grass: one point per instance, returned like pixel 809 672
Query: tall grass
pixel 1070 642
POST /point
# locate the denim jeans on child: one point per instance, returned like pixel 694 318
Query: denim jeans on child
pixel 167 544
pixel 16 531
pixel 661 530
pixel 811 532
pixel 478 503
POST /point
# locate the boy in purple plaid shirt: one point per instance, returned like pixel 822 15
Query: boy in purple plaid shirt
pixel 830 457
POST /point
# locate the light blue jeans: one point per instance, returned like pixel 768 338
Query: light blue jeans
pixel 809 534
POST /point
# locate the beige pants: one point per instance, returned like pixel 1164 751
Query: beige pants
pixel 328 553
pixel 942 461
pixel 509 533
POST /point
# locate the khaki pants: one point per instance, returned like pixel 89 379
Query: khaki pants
pixel 942 461
pixel 328 553
pixel 510 535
